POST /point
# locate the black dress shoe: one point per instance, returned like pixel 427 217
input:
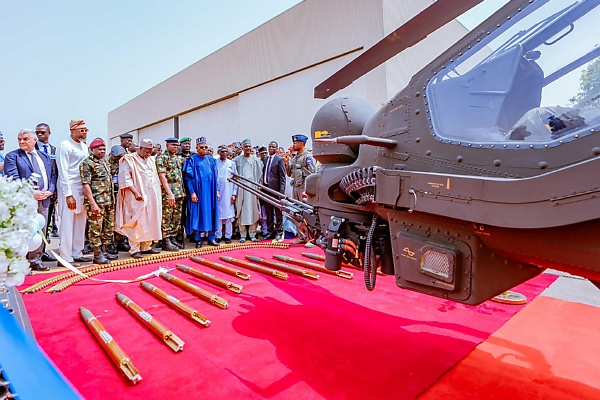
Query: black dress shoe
pixel 151 251
pixel 214 243
pixel 122 246
pixel 82 259
pixel 269 236
pixel 227 241
pixel 38 266
pixel 137 254
pixel 199 244
pixel 48 257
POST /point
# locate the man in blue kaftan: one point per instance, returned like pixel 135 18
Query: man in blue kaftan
pixel 201 179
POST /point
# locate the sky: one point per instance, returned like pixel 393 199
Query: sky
pixel 67 59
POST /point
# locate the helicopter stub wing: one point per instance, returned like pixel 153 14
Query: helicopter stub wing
pixel 427 21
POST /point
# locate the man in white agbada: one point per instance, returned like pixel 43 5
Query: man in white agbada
pixel 246 204
pixel 139 204
pixel 70 194
pixel 225 168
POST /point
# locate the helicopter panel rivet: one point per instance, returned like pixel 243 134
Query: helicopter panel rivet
pixel 417 111
pixel 459 159
pixel 505 146
pixel 546 146
pixel 417 140
pixel 497 163
pixel 531 146
pixel 492 146
pixel 596 151
pixel 543 165
pixel 576 136
pixel 518 146
pixel 417 94
pixel 428 153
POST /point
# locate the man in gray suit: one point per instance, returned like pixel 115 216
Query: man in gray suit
pixel 29 163
pixel 274 176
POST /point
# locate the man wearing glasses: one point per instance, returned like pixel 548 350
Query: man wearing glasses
pixel 71 153
pixel 42 130
pixel 201 180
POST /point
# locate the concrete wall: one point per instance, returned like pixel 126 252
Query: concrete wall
pixel 261 85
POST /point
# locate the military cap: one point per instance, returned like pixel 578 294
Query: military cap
pixel 117 150
pixel 171 140
pixel 200 140
pixel 97 142
pixel 126 136
pixel 300 138
pixel 185 139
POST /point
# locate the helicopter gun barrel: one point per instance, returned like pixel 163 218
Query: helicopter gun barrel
pixel 362 139
pixel 294 209
pixel 275 193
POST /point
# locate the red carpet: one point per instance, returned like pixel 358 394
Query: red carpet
pixel 295 339
pixel 548 351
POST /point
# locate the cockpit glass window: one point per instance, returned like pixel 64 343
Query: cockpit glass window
pixel 533 80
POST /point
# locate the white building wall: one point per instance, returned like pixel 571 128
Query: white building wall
pixel 219 123
pixel 158 132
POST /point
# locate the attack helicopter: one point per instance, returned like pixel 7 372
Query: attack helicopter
pixel 477 176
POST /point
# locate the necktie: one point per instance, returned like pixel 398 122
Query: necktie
pixel 46 148
pixel 37 170
pixel 267 169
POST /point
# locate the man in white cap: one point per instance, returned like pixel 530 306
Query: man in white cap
pixel 139 205
pixel 70 193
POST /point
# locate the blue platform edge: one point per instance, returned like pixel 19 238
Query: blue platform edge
pixel 31 374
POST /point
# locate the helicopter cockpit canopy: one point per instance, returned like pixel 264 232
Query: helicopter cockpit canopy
pixel 533 80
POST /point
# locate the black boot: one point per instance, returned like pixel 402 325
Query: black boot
pixel 160 244
pixel 99 257
pixel 111 248
pixel 87 249
pixel 108 254
pixel 123 246
pixel 176 243
pixel 168 245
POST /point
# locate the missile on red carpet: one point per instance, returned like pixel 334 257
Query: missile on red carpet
pixel 114 351
pixel 177 304
pixel 167 336
pixel 317 257
pixel 292 270
pixel 193 289
pixel 315 266
pixel 234 287
pixel 221 267
pixel 263 270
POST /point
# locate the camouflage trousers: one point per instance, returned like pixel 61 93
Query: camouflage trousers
pixel 171 217
pixel 101 227
pixel 297 192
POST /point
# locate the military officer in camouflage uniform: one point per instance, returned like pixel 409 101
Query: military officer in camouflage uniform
pixel 168 166
pixel 99 200
pixel 301 165
pixel 185 152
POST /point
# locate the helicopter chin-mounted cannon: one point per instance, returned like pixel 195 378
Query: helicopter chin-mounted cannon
pixel 478 175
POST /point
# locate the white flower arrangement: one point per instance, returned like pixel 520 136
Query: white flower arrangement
pixel 18 225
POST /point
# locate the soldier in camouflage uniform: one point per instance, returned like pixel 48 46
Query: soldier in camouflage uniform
pixel 99 200
pixel 116 153
pixel 168 166
pixel 185 152
pixel 300 165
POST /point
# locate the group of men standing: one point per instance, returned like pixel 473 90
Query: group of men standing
pixel 144 198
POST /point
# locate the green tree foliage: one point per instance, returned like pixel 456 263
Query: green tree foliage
pixel 589 87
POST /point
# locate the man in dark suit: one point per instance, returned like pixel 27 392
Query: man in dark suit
pixel 26 163
pixel 274 176
pixel 42 130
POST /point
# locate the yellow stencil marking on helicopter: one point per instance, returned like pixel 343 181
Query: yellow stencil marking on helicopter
pixel 437 185
pixel 322 134
pixel 448 184
pixel 408 251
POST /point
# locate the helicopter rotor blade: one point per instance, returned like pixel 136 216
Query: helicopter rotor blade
pixel 412 32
